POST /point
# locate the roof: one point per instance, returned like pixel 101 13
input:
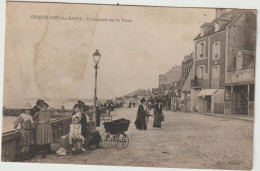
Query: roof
pixel 249 62
pixel 229 16
pixel 186 86
pixel 207 92
pixel 187 58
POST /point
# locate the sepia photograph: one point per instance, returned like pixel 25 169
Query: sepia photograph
pixel 127 85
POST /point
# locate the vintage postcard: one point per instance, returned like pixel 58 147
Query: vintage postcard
pixel 119 85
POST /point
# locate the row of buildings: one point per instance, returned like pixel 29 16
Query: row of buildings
pixel 219 76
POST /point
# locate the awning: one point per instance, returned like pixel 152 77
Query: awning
pixel 207 92
pixel 240 83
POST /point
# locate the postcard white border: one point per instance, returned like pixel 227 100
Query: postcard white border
pixel 250 4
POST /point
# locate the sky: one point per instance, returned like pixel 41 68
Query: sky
pixel 47 58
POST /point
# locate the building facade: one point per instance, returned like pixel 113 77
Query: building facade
pixel 215 47
pixel 240 65
pixel 187 76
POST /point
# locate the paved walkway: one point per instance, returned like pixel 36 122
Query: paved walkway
pixel 232 116
pixel 186 140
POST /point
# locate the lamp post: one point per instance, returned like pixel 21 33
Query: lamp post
pixel 96 57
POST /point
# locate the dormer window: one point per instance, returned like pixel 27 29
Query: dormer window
pixel 216 26
pixel 201 31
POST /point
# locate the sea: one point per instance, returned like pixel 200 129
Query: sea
pixel 56 103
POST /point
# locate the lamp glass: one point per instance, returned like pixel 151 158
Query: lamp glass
pixel 96 57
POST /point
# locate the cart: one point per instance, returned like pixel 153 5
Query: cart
pixel 114 135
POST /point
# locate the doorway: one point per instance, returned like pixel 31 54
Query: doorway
pixel 208 99
pixel 239 100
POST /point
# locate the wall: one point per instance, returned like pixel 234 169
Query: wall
pixel 187 82
pixel 194 93
pixel 186 66
pixel 202 105
pixel 218 37
pixel 219 101
pixel 236 39
pixel 162 79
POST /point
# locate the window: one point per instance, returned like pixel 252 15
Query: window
pixel 201 50
pixel 216 72
pixel 216 26
pixel 239 61
pixel 216 50
pixel 200 72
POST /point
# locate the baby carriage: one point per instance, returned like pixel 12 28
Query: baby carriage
pixel 114 134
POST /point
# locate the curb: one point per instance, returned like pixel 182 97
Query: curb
pixel 225 116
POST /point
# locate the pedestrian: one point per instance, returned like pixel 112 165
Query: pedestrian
pixel 157 114
pixel 34 147
pixel 140 121
pixel 130 105
pixel 43 128
pixel 26 135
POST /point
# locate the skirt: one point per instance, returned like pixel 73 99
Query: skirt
pixel 26 137
pixel 157 121
pixel 43 134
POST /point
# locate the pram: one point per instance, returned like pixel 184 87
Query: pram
pixel 114 134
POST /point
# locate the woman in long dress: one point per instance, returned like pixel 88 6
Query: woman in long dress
pixel 140 122
pixel 157 115
pixel 43 129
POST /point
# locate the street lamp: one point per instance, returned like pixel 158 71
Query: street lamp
pixel 96 57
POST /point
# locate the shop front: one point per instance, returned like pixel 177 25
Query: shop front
pixel 210 101
pixel 239 98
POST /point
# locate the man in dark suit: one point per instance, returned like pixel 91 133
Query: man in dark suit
pixel 157 114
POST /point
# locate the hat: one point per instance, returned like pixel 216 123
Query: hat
pixel 76 116
pixel 76 105
pixel 27 106
pixel 142 100
pixel 80 102
pixel 39 102
pixel 44 103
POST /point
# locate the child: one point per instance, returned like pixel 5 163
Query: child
pixel 75 131
pixel 26 137
pixel 43 128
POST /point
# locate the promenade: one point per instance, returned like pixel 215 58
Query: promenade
pixel 186 140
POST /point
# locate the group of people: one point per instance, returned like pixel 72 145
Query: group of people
pixel 82 127
pixel 131 104
pixel 35 130
pixel 143 114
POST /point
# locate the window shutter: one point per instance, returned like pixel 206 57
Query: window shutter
pixel 213 50
pixel 198 50
pixel 204 49
pixel 218 49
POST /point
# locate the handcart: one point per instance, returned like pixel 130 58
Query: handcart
pixel 114 135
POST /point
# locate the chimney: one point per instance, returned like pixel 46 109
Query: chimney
pixel 220 11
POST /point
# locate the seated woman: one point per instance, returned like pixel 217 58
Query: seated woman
pixel 75 132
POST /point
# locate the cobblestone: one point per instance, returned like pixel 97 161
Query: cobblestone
pixel 186 140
